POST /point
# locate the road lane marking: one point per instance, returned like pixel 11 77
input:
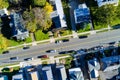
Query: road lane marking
pixel 67 46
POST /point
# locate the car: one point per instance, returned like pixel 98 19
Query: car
pixel 42 56
pixel 65 40
pixel 27 59
pixel 5 52
pixel 82 37
pixel 71 51
pixel 51 51
pixel 111 43
pixel 26 47
pixel 13 58
pixel 58 41
pixel 63 52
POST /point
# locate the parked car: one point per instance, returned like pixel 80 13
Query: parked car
pixel 65 40
pixel 51 51
pixel 63 52
pixel 26 47
pixel 5 52
pixel 13 58
pixel 42 56
pixel 27 59
pixel 58 41
pixel 82 37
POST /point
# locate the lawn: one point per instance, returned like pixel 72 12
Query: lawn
pixel 39 35
pixel 15 43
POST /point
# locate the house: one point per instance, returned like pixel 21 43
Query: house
pixel 47 73
pixel 3 77
pixel 18 29
pixel 18 77
pixel 31 73
pixel 75 74
pixel 93 66
pixel 34 75
pixel 3 12
pixel 61 72
pixel 82 14
pixel 104 2
pixel 57 15
pixel 110 63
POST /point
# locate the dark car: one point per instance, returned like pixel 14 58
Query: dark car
pixel 5 52
pixel 26 47
pixel 13 58
pixel 65 40
pixel 42 56
pixel 51 51
pixel 27 59
pixel 63 52
pixel 82 37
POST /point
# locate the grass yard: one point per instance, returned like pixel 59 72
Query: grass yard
pixel 39 35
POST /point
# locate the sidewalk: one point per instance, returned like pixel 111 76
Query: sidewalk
pixel 48 40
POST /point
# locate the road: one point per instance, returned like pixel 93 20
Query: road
pixel 34 51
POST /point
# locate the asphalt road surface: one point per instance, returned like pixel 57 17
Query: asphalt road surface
pixel 34 51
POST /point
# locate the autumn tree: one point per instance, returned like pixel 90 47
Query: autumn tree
pixel 3 43
pixel 48 7
pixel 43 20
pixel 3 4
pixel 39 2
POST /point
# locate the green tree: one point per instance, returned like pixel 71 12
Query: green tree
pixel 3 4
pixel 39 2
pixel 31 26
pixel 118 11
pixel 43 20
pixel 30 21
pixel 106 14
pixel 3 43
pixel 28 15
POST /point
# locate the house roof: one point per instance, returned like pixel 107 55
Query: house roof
pixel 34 75
pixel 110 63
pixel 93 66
pixel 47 73
pixel 18 29
pixel 82 14
pixel 61 72
pixel 3 12
pixel 17 77
pixel 3 77
pixel 75 74
pixel 104 2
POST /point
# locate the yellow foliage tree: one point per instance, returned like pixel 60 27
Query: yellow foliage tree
pixel 48 7
pixel 4 4
pixel 3 43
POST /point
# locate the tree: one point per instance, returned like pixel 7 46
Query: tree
pixel 105 14
pixel 3 4
pixel 43 20
pixel 30 21
pixel 28 15
pixel 31 26
pixel 48 8
pixel 118 11
pixel 3 43
pixel 39 2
